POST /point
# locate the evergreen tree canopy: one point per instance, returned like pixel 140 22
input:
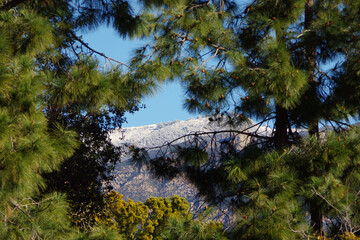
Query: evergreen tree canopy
pixel 56 108
pixel 284 61
pixel 285 64
pixel 87 100
pixel 28 149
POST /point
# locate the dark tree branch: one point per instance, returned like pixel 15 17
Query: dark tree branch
pixel 97 52
pixel 214 132
pixel 10 4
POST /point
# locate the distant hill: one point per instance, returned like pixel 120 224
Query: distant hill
pixel 135 182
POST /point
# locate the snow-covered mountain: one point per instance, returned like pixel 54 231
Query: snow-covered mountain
pixel 135 182
pixel 157 134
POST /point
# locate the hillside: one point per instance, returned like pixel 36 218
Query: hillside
pixel 135 182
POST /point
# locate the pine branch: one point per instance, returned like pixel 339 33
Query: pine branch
pixel 212 132
pixel 219 47
pixel 211 57
pixel 97 52
pixel 244 132
pixel 11 4
pixel 201 4
pixel 16 205
pixel 321 72
pixel 6 219
pixel 301 233
pixel 344 216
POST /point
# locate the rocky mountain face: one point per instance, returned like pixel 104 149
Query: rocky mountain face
pixel 135 182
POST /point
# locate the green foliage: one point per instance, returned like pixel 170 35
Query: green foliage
pixel 35 218
pixel 288 64
pixel 194 156
pixel 90 103
pixel 278 196
pixel 255 60
pixel 24 133
pixel 141 220
pixel 99 233
pixel 187 229
pixel 53 102
pixel 208 28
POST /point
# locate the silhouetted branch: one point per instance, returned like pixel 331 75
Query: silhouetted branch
pixel 10 4
pixel 97 52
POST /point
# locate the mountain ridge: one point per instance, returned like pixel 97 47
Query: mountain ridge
pixel 136 182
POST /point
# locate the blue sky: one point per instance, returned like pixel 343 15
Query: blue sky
pixel 165 106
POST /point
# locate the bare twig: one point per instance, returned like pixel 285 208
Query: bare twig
pixel 344 215
pixel 327 201
pixel 219 47
pixel 199 5
pixel 211 57
pixel 301 233
pixel 212 132
pixel 97 52
pixel 321 72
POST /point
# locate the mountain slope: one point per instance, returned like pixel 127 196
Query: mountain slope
pixel 135 182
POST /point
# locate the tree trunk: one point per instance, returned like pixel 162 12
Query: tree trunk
pixel 281 140
pixel 310 63
pixel 316 219
pixel 313 125
pixel 281 136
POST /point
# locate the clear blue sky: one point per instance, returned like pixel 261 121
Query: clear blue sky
pixel 165 106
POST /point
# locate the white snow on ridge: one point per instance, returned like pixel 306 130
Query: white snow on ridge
pixel 157 134
pixel 137 183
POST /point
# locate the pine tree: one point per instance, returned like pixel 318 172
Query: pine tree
pixel 286 64
pixel 51 94
pixel 92 113
pixel 27 148
pixel 87 101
